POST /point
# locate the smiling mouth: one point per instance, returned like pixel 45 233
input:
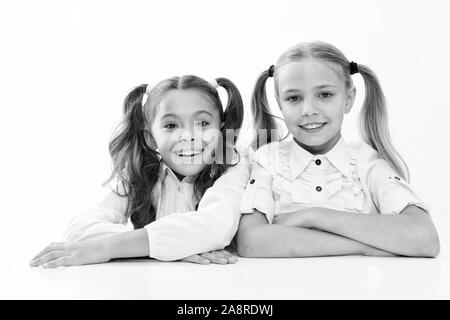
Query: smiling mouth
pixel 313 126
pixel 189 153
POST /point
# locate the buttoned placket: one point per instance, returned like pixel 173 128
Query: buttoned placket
pixel 317 170
pixel 182 194
pixel 175 195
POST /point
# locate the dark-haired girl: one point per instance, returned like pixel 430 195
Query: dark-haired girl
pixel 179 180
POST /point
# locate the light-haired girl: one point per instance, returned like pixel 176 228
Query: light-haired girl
pixel 178 178
pixel 316 195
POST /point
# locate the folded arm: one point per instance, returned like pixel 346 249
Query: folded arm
pixel 257 238
pixel 410 233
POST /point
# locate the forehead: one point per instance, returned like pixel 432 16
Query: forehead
pixel 185 103
pixel 307 74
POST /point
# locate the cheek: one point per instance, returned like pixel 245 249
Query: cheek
pixel 162 139
pixel 290 114
pixel 339 120
pixel 211 136
pixel 334 112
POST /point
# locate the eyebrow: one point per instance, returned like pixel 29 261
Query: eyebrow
pixel 195 114
pixel 325 86
pixel 168 115
pixel 317 87
pixel 291 90
pixel 203 111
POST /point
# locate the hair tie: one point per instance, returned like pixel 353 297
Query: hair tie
pixel 148 89
pixel 146 94
pixel 353 68
pixel 214 83
pixel 271 71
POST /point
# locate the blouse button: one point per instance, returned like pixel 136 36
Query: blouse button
pixel 318 188
pixel 318 162
pixel 252 181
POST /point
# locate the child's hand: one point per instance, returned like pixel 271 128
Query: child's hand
pixel 72 254
pixel 218 256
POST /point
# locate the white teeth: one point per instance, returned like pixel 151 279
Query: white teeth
pixel 188 153
pixel 312 126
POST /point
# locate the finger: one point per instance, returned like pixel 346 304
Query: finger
pixel 48 257
pixel 63 261
pixel 51 247
pixel 196 259
pixel 214 258
pixel 223 254
pixel 229 256
pixel 207 255
pixel 232 259
pixel 220 253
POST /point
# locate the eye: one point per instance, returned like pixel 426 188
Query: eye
pixel 170 126
pixel 293 98
pixel 202 123
pixel 325 95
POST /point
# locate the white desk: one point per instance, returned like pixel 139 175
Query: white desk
pixel 351 277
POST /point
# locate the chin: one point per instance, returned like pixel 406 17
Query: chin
pixel 310 142
pixel 190 170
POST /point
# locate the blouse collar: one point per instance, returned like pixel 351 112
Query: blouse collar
pixel 165 170
pixel 299 158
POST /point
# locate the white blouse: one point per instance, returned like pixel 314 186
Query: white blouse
pixel 178 231
pixel 286 178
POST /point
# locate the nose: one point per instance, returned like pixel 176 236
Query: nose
pixel 309 108
pixel 186 135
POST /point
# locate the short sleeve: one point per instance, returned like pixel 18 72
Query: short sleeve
pixel 258 194
pixel 390 193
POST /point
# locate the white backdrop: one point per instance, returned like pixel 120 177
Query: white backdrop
pixel 65 67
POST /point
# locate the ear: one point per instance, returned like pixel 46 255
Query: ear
pixel 149 139
pixel 351 94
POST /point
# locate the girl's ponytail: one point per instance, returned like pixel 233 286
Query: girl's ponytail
pixel 264 123
pixel 232 117
pixel 234 111
pixel 134 163
pixel 374 122
pixel 127 147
